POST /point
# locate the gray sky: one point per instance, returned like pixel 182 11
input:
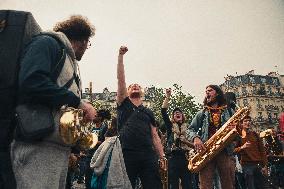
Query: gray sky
pixel 189 42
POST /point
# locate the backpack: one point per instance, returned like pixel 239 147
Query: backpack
pixel 17 28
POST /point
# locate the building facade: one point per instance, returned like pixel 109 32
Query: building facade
pixel 264 94
pixel 107 99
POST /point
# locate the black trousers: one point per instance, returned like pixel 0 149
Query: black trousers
pixel 143 165
pixel 88 177
pixel 7 178
pixel 178 170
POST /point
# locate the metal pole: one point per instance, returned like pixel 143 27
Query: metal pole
pixel 91 92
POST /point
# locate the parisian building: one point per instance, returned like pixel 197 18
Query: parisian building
pixel 264 94
pixel 107 99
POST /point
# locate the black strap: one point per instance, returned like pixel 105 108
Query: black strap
pixel 57 70
pixel 19 57
pixel 69 83
pixel 58 67
pixel 130 116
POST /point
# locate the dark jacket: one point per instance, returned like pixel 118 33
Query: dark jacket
pixel 35 82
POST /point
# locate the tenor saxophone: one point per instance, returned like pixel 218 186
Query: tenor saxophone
pixel 164 173
pixel 74 130
pixel 217 142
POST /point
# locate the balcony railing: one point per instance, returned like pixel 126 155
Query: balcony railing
pixel 271 108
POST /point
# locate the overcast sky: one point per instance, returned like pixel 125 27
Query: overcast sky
pixel 189 42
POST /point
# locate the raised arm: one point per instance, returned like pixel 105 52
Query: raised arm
pixel 164 109
pixel 121 89
pixel 167 99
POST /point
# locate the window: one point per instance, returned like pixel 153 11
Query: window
pixel 259 116
pixel 269 117
pixel 238 102
pixel 269 90
pixel 262 90
pixel 254 89
pixel 246 102
pixel 252 80
pixel 244 90
pixel 263 80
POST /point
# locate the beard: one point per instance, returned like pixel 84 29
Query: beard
pixel 78 56
pixel 210 100
pixel 135 95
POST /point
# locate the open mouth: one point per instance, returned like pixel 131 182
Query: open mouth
pixel 209 98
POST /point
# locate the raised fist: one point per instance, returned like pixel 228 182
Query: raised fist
pixel 168 92
pixel 123 50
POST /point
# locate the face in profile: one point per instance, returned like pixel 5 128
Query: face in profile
pixel 211 95
pixel 134 91
pixel 80 48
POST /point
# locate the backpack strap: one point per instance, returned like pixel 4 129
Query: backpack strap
pixel 55 72
pixel 60 63
pixel 58 67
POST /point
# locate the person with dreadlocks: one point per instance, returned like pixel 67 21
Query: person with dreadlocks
pixel 177 145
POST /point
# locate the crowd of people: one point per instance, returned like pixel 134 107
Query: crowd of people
pixel 133 131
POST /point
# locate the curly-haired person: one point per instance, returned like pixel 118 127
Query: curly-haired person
pixel 49 76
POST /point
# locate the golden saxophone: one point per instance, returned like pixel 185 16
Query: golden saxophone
pixel 217 142
pixel 164 173
pixel 74 130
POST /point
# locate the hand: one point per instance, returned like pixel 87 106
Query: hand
pixel 162 163
pixel 246 145
pixel 264 171
pixel 198 145
pixel 89 110
pixel 123 50
pixel 73 157
pixel 168 92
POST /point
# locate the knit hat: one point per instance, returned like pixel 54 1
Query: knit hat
pixel 177 110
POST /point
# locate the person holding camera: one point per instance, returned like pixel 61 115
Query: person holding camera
pixel 177 145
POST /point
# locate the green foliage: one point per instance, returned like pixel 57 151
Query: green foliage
pixel 98 104
pixel 184 101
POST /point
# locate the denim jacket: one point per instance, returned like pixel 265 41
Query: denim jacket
pixel 199 128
